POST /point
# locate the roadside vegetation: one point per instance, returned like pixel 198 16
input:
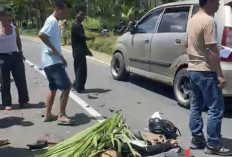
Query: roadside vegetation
pixel 105 14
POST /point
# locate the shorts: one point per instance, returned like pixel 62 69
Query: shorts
pixel 57 77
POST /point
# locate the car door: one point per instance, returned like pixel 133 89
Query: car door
pixel 168 41
pixel 140 42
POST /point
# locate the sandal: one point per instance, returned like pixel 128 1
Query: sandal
pixel 50 118
pixel 221 151
pixel 4 142
pixel 8 108
pixel 38 145
pixel 63 120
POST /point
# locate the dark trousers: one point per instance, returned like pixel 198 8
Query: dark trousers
pixel 80 69
pixel 13 63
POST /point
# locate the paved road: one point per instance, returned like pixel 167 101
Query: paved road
pixel 138 98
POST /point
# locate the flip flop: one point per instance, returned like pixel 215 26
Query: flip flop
pixel 64 121
pixel 4 142
pixel 50 118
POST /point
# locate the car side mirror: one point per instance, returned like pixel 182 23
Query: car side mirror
pixel 132 28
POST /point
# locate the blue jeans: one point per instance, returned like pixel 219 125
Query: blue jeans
pixel 205 93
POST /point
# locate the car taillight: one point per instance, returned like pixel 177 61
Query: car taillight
pixel 227 37
pixel 227 42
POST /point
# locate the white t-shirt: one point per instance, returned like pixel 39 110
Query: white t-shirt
pixel 51 29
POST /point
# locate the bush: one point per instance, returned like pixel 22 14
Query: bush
pixel 103 44
pixel 92 22
pixel 29 32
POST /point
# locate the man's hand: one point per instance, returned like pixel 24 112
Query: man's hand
pixel 64 61
pixel 21 53
pixel 221 82
pixel 54 51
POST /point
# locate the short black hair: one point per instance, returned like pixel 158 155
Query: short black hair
pixel 61 5
pixel 202 2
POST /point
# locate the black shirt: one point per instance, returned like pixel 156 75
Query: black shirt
pixel 79 46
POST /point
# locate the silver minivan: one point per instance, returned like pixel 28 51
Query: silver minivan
pixel 154 47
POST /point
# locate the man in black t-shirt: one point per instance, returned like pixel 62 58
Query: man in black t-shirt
pixel 80 51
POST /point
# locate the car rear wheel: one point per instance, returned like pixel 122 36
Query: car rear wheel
pixel 118 69
pixel 182 88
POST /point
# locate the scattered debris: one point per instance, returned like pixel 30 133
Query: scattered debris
pixel 93 96
pixel 38 145
pixel 51 138
pixel 102 105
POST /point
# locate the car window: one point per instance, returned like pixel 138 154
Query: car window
pixel 174 20
pixel 147 25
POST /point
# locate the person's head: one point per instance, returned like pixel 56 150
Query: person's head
pixel 6 13
pixel 210 6
pixel 80 15
pixel 5 17
pixel 61 10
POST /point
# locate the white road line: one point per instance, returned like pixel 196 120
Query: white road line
pixel 76 98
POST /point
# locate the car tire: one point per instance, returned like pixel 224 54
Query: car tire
pixel 182 88
pixel 118 69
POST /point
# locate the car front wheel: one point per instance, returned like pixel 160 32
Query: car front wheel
pixel 118 69
pixel 182 88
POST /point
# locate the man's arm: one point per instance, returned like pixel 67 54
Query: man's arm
pixel 76 29
pixel 18 40
pixel 47 42
pixel 186 43
pixel 214 58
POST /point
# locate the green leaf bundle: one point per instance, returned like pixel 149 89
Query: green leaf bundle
pixel 94 140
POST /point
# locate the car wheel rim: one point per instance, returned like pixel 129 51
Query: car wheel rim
pixel 184 89
pixel 116 67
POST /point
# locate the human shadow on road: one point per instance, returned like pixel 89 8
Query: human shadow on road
pixel 26 106
pixel 11 152
pixel 153 86
pixel 96 90
pixel 81 119
pixel 228 108
pixel 12 121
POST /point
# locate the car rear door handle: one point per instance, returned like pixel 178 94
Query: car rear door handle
pixel 146 41
pixel 178 41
